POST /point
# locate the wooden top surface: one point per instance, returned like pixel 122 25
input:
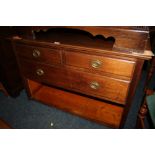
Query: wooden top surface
pixel 147 54
pixel 129 28
pixel 127 39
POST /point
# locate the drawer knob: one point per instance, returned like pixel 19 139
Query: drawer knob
pixel 96 63
pixel 94 85
pixel 36 53
pixel 40 72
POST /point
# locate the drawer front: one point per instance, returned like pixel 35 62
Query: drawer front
pixel 100 86
pixel 44 73
pixel 46 55
pixel 89 84
pixel 100 63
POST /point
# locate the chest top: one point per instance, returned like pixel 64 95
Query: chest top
pixel 129 40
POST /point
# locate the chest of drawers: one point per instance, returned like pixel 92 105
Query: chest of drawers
pixel 92 82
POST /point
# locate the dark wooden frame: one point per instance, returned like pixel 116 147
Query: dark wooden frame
pixel 122 35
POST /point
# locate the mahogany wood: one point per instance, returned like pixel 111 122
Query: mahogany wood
pixel 132 38
pixel 52 75
pixel 132 89
pixel 82 106
pixel 109 88
pixel 46 55
pixel 144 109
pixel 114 78
pixel 108 64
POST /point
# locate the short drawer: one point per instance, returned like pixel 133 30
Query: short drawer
pixel 46 55
pixel 100 63
pixel 44 73
pixel 100 86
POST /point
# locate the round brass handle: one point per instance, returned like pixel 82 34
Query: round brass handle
pixel 94 85
pixel 40 72
pixel 36 53
pixel 96 63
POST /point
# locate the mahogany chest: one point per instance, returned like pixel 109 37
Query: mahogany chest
pixel 89 71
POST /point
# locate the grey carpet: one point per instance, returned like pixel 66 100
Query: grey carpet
pixel 22 113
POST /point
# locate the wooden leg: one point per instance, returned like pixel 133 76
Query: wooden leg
pixel 143 111
pixel 141 115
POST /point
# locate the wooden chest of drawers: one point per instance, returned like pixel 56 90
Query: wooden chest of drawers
pixel 93 83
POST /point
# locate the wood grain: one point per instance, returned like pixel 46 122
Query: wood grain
pixel 68 66
pixel 47 55
pixel 109 65
pixel 126 38
pixel 52 75
pixel 109 88
pixel 79 105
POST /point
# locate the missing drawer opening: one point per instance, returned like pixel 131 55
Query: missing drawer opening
pixel 92 109
pixel 75 37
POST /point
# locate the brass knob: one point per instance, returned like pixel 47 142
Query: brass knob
pixel 36 53
pixel 94 85
pixel 40 72
pixel 96 63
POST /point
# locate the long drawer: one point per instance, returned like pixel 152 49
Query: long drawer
pixel 41 54
pixel 86 83
pixel 100 63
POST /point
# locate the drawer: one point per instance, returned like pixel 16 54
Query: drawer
pixel 100 63
pixel 46 55
pixel 100 86
pixel 94 85
pixel 44 73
